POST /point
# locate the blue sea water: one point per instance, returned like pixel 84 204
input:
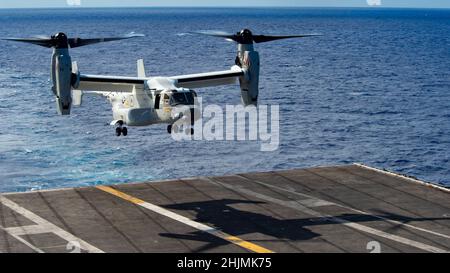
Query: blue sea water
pixel 374 89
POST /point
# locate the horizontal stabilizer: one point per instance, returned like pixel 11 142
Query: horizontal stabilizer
pixel 77 97
pixel 110 83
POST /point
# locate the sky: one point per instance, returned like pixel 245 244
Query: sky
pixel 215 3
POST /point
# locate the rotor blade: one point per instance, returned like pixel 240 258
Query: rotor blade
pixel 266 38
pixel 40 41
pixel 77 42
pixel 42 37
pixel 221 34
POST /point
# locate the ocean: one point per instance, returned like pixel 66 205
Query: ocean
pixel 375 88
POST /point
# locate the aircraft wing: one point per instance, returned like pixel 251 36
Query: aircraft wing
pixel 108 83
pixel 209 79
pixel 102 83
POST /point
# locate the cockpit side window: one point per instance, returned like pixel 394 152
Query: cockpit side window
pixel 177 98
pixel 182 98
pixel 190 98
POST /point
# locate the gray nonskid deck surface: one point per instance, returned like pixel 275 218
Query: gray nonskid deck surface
pixel 324 209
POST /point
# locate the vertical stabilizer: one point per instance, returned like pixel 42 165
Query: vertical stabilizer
pixel 141 68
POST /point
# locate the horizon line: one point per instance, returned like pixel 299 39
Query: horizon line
pixel 219 7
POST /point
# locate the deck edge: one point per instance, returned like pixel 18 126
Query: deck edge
pixel 404 177
pixel 361 165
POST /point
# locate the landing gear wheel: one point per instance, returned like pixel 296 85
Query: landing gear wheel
pixel 118 131
pixel 192 131
pixel 169 128
pixel 124 131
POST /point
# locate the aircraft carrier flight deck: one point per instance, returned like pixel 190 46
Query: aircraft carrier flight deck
pixel 351 208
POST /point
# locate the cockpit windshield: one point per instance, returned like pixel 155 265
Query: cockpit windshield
pixel 182 98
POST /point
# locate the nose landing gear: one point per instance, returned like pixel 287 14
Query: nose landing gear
pixel 120 129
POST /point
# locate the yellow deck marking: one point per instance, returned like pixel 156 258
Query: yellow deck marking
pixel 202 227
pixel 122 195
pixel 245 244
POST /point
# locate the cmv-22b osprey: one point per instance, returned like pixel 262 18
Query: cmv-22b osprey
pixel 142 100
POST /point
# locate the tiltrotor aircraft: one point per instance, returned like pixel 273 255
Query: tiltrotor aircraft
pixel 142 100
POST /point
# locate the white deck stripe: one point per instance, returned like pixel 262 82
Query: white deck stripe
pixel 353 209
pixel 310 202
pixel 44 224
pixel 26 230
pixel 304 209
pixel 202 227
pixel 184 220
pixel 38 250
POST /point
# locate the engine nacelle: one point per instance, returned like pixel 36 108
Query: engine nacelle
pixel 62 72
pixel 250 81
